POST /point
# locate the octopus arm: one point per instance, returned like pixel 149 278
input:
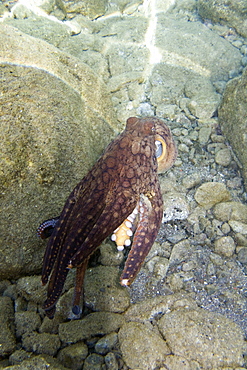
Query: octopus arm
pixel 80 243
pixel 79 213
pixel 150 216
pixel 115 212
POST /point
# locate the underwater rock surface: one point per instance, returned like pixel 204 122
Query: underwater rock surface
pixel 188 302
pixel 51 118
pixel 233 118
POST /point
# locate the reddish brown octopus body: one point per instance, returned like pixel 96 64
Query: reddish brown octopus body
pixel 123 182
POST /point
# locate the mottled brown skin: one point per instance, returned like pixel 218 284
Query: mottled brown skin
pixel 125 174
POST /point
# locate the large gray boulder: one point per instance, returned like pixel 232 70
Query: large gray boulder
pixel 233 118
pixel 56 119
pixel 229 12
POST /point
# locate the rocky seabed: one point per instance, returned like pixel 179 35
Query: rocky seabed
pixel 71 73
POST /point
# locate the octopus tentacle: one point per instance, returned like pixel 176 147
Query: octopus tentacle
pixel 125 177
pixel 150 216
pixel 45 229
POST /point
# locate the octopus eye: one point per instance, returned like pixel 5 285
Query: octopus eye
pixel 162 154
pixel 159 149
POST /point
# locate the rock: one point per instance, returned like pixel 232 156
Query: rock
pixel 157 266
pixel 181 251
pixel 111 361
pixel 241 240
pixel 26 322
pixel 193 46
pixel 233 118
pixel 174 362
pixel 110 256
pixel 93 362
pixel 102 290
pixel 229 12
pixel 50 130
pixel 151 309
pixel 238 227
pixel 204 135
pixel 41 28
pixel 223 157
pixel 211 193
pixel 73 355
pixel 7 333
pixel 225 246
pixel 106 344
pixel 204 107
pixel 41 343
pixel 192 180
pixel 141 347
pixel 242 255
pixel 235 211
pixel 30 288
pixel 211 339
pixel 175 207
pixel 39 362
pixel 97 323
pixel 91 9
pixel 18 356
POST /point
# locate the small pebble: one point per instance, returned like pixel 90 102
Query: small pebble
pixel 183 148
pixel 241 240
pixel 106 343
pixel 225 246
pixel 111 361
pixel 244 49
pixel 217 138
pixel 223 157
pixel 73 355
pixel 225 228
pixel 237 43
pixel 211 193
pixel 238 227
pixel 204 135
pixel 242 255
pixel 93 362
pixel 244 61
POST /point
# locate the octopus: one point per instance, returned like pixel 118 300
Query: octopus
pixel 120 196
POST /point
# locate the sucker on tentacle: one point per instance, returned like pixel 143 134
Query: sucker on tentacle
pixel 119 196
pixel 45 229
pixel 121 236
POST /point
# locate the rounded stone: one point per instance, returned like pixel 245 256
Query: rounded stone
pixel 242 255
pixel 223 157
pixel 102 290
pixel 211 193
pixel 73 355
pixel 225 246
pixel 141 347
pixel 209 338
pixel 93 362
pixel 105 344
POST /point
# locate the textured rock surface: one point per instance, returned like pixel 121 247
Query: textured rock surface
pixel 50 116
pixel 7 337
pixel 230 12
pixel 211 193
pixel 103 291
pixel 141 347
pixel 233 118
pixel 212 340
pixel 97 323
